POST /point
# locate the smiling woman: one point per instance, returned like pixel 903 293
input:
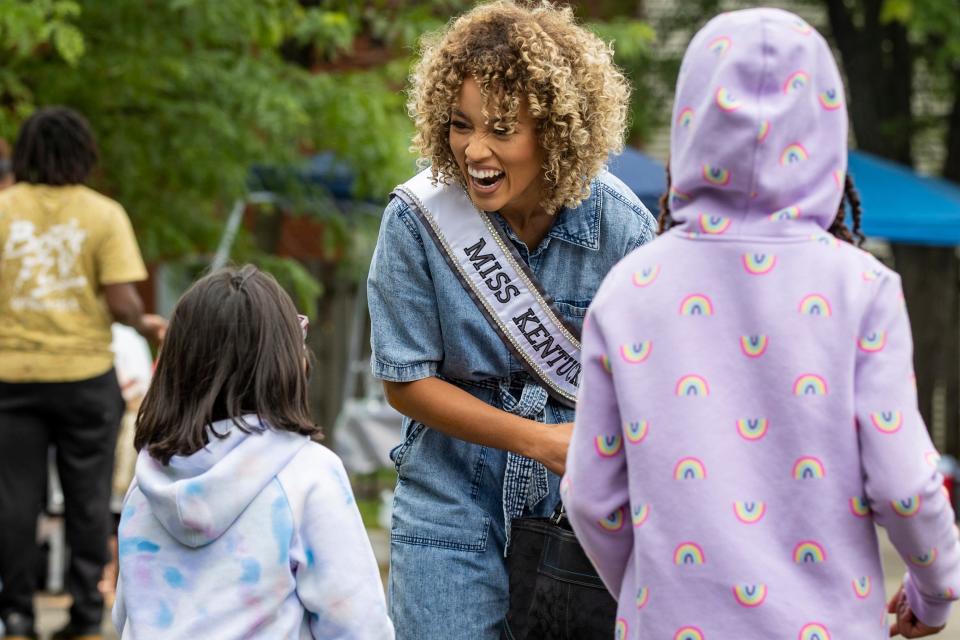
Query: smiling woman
pixel 485 264
pixel 523 60
pixel 501 166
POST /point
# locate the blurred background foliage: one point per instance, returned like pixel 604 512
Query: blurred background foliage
pixel 187 96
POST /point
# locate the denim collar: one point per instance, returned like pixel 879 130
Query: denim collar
pixel 580 225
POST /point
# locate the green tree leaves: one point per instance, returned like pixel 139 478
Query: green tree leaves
pixel 186 96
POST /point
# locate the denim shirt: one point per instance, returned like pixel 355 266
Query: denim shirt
pixel 424 322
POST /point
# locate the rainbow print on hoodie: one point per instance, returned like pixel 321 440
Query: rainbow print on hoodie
pixel 747 410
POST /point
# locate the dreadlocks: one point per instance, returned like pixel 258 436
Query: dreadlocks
pixel 55 146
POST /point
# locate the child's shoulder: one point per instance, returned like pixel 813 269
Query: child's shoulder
pixel 317 457
pixel 315 468
pixel 866 265
pixel 646 262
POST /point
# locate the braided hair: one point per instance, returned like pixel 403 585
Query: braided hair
pixel 666 220
pixel 55 146
pixel 838 227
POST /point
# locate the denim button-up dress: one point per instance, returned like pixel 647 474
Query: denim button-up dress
pixel 450 521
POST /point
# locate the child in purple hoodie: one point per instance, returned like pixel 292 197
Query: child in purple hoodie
pixel 748 408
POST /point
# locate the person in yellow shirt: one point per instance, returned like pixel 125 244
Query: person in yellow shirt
pixel 68 264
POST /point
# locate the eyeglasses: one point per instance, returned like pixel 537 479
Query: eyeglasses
pixel 304 325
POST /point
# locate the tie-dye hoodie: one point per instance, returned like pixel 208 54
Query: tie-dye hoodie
pixel 255 536
pixel 748 408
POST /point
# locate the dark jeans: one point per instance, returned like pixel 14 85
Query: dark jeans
pixel 81 420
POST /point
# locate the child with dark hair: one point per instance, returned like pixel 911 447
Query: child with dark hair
pixel 747 409
pixel 237 525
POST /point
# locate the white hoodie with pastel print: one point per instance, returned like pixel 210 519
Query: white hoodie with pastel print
pixel 255 536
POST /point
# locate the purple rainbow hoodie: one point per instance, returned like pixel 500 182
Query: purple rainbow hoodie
pixel 748 408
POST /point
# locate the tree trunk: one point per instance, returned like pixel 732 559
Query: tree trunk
pixel 951 171
pixel 930 285
pixel 878 60
pixel 951 375
pixel 951 165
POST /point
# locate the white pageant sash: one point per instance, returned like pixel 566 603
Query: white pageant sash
pixel 500 283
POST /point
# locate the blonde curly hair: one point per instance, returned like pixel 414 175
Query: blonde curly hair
pixel 537 52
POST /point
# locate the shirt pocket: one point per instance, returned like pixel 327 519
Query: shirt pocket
pixel 410 431
pixel 435 501
pixel 573 311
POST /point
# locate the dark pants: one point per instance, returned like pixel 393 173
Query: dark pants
pixel 80 419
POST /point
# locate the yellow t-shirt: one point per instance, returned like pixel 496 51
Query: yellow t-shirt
pixel 58 247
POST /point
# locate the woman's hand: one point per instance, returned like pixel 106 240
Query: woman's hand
pixel 906 624
pixel 550 449
pixel 451 410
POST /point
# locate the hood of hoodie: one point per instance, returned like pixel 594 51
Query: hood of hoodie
pixel 197 497
pixel 758 145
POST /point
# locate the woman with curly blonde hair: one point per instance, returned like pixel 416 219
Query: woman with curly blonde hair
pixel 516 110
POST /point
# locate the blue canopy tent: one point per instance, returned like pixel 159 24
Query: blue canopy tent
pixel 901 206
pixel 898 204
pixel 644 175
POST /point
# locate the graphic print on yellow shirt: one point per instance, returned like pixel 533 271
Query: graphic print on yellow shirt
pixel 48 266
pixel 58 247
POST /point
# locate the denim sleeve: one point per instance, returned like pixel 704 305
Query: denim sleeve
pixel 641 227
pixel 405 327
pixel 648 224
pixel 649 227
